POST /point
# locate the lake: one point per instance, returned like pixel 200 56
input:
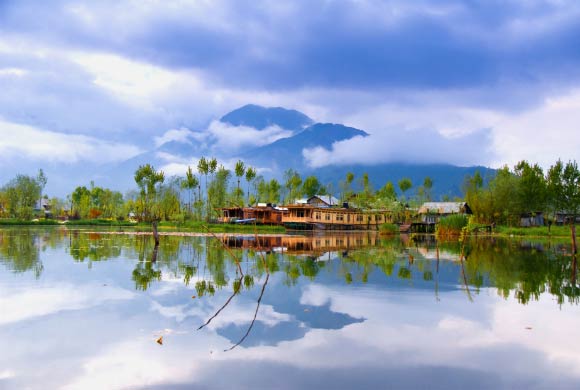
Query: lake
pixel 83 309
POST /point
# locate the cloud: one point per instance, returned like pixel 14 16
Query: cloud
pixel 542 135
pixel 228 138
pixel 416 145
pixel 180 135
pixel 30 304
pixel 142 73
pixel 36 144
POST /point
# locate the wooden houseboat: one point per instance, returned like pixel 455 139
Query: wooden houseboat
pixel 263 214
pixel 308 217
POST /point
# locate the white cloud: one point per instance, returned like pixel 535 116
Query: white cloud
pixel 232 139
pixel 419 146
pixel 21 304
pixel 542 135
pixel 180 135
pixel 37 144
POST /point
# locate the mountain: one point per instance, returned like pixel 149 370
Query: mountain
pixel 274 158
pixel 287 152
pixel 447 179
pixel 260 117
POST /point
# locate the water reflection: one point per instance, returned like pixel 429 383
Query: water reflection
pixel 518 268
pixel 356 309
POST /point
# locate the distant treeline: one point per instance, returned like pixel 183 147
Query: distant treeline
pixel 198 195
pixel 203 190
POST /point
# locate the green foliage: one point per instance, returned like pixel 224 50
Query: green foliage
pixel 311 186
pixel 389 229
pixel 405 184
pixel 292 184
pixel 21 195
pixel 148 180
pixel 451 225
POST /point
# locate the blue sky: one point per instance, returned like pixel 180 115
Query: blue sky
pixel 482 82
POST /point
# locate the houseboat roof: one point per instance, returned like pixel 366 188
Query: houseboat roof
pixel 444 208
pixel 327 199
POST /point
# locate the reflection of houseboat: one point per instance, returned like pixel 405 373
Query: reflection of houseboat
pixel 304 245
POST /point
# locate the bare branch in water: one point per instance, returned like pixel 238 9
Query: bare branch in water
pixel 255 315
pixel 224 305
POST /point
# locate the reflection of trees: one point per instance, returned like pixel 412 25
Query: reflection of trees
pixel 525 270
pixel 248 282
pixel 516 268
pixel 20 248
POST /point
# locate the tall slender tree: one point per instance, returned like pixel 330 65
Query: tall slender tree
pixel 148 179
pixel 239 170
pixel 190 183
pixel 250 176
pixel 41 179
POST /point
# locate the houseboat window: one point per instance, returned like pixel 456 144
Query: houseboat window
pixel 339 217
pixel 359 218
pixel 317 215
pixel 300 214
pixel 327 217
pixel 379 217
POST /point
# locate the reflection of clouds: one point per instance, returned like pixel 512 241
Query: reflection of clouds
pixel 453 344
pixel 18 304
pixel 137 362
pixel 549 331
pixel 6 374
pixel 240 312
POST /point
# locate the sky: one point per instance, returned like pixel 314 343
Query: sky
pixel 460 81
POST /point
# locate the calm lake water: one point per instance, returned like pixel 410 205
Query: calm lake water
pixel 82 310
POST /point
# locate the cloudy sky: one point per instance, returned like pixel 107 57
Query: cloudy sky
pixel 481 81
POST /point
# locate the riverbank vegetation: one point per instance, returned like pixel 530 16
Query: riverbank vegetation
pixel 194 201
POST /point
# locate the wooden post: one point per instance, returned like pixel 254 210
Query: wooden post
pixel 573 230
pixel 155 233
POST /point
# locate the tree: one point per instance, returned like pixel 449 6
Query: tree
pixel 203 169
pixel 293 181
pixel 239 170
pixel 218 189
pixel 81 202
pixel 387 192
pixel 190 183
pixel 311 186
pixel 211 168
pixel 274 191
pixel 532 187
pixel 564 190
pixel 148 179
pixel 41 179
pixel 404 185
pixel 428 185
pixel 250 176
pixel 22 192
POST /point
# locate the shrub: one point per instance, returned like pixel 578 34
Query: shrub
pixel 451 225
pixel 389 228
